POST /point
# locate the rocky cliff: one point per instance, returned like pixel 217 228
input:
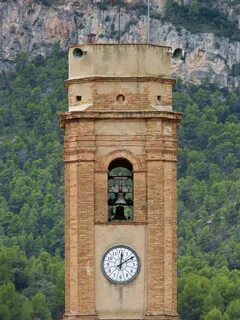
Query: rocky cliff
pixel 34 26
pixel 231 8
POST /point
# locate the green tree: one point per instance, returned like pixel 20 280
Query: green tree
pixel 233 310
pixel 194 8
pixel 40 307
pixel 191 297
pixel 214 314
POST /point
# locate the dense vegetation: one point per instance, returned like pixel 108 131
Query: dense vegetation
pixel 31 190
pixel 209 204
pixel 31 196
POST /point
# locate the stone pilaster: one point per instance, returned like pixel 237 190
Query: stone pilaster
pixel 79 221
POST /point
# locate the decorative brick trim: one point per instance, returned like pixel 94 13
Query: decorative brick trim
pixel 90 317
pixel 159 79
pixel 137 166
pixel 162 317
pixel 79 317
pixel 119 114
pixel 132 223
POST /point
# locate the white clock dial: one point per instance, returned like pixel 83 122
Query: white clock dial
pixel 120 264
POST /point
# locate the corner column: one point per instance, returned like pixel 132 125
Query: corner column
pixel 79 157
pixel 161 236
pixel 71 239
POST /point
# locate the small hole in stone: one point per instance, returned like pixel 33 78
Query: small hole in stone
pixel 78 98
pixel 120 98
pixel 159 98
pixel 77 53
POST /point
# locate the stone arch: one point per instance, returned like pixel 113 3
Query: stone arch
pixel 120 154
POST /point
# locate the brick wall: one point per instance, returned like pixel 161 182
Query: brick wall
pixel 133 129
pixel 87 157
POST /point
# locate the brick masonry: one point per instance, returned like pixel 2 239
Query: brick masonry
pixel 154 205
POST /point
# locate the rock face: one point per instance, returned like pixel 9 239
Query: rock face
pixel 231 8
pixel 33 27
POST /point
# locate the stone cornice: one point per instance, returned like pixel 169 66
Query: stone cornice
pixel 79 115
pixel 145 44
pixel 159 79
pixel 121 223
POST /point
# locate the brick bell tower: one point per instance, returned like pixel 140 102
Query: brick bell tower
pixel 120 184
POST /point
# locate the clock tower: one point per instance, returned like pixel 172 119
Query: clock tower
pixel 120 184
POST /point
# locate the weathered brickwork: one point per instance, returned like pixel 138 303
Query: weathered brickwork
pixel 162 317
pixel 109 101
pixel 155 235
pixel 86 237
pixel 106 130
pixel 79 200
pixel 154 205
pixel 103 95
pixel 71 220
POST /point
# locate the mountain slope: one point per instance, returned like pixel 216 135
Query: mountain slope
pixel 212 52
pixel 31 193
pixel 31 190
pixel 31 175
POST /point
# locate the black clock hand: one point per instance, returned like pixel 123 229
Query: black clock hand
pixel 120 264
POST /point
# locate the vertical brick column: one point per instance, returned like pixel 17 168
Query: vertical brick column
pixel 71 238
pixel 169 191
pixel 79 156
pixel 101 196
pixel 79 234
pixel 161 219
pixel 140 193
pixel 155 238
pixel 170 213
pixel 86 239
pixel 174 237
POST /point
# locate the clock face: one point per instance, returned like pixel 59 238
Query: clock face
pixel 120 264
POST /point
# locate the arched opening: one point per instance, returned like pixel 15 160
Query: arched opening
pixel 120 190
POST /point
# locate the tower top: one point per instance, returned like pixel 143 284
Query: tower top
pixel 119 60
pixel 119 77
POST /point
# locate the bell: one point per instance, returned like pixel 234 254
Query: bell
pixel 119 215
pixel 179 54
pixel 120 199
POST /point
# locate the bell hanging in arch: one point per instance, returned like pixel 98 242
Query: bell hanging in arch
pixel 120 199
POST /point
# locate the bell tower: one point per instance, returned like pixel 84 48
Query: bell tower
pixel 120 184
